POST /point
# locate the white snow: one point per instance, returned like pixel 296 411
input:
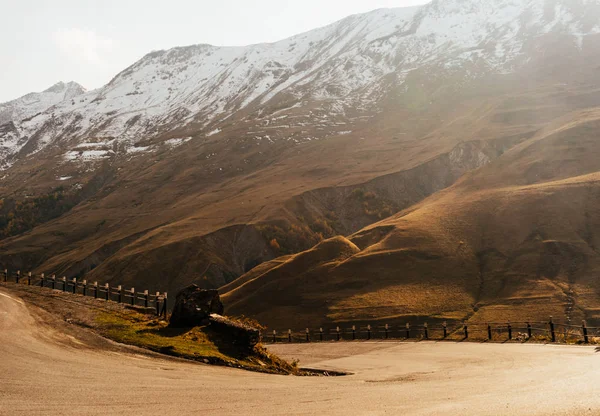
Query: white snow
pixel 88 155
pixel 338 68
pixel 108 143
pixel 177 142
pixel 35 103
pixel 139 149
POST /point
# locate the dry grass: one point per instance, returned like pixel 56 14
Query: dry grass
pixel 120 323
pixel 169 214
pixel 515 240
pixel 199 344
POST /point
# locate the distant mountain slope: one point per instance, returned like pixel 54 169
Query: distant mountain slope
pixel 14 113
pixel 38 102
pixel 343 71
pixel 196 164
pixel 515 240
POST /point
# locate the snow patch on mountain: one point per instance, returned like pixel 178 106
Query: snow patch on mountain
pixel 38 102
pixel 346 66
pixel 88 155
pixel 16 115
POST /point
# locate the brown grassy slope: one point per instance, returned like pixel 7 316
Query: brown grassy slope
pixel 169 219
pixel 515 240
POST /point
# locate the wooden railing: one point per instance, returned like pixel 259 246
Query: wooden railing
pixel 157 302
pixel 547 331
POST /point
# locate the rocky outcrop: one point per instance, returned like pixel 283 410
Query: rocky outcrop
pixel 243 336
pixel 193 307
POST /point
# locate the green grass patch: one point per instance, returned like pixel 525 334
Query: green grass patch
pixel 199 344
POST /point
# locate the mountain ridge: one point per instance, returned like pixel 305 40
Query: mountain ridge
pixel 522 249
pixel 184 180
pixel 203 86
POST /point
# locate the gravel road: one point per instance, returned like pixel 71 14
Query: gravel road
pixel 44 371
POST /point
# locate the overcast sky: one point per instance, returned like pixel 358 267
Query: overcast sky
pixel 89 41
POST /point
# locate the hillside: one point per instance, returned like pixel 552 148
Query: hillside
pixel 515 240
pixel 196 164
pixel 15 113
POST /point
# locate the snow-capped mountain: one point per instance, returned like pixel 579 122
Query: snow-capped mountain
pixel 37 102
pixel 322 77
pixel 197 163
pixel 14 114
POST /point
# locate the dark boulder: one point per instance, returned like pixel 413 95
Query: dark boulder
pixel 193 307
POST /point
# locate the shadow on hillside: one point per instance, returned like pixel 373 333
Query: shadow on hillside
pixel 226 344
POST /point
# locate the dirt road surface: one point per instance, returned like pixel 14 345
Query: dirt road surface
pixel 44 371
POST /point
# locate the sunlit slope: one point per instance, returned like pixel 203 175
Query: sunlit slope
pixel 172 175
pixel 515 240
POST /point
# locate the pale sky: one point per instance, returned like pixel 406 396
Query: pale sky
pixel 90 41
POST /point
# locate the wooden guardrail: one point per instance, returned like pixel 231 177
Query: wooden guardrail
pixel 156 302
pixel 550 331
pixel 492 331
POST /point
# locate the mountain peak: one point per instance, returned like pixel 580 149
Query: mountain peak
pixel 59 86
pixel 32 104
pixel 64 87
pixel 348 66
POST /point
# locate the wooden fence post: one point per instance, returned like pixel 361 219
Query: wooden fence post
pixel 120 289
pixel 353 332
pixel 156 303
pixel 466 330
pixel 528 330
pixel 95 290
pixel 53 281
pixel 509 331
pixel 29 279
pixel 368 332
pixel 74 285
pixel 107 291
pixel 18 275
pixel 321 334
pixel 146 298
pixel 274 337
pixel 445 325
pixel 5 275
pixel 133 296
pixel 337 329
pixel 387 328
pixel 407 330
pixel 425 331
pixel 84 287
pixel 165 305
pixel 64 282
pixel 586 339
pixel 307 335
pixel 489 329
pixel 42 280
pixel 552 332
pixel 289 335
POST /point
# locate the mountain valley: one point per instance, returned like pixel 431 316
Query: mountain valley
pixel 436 161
